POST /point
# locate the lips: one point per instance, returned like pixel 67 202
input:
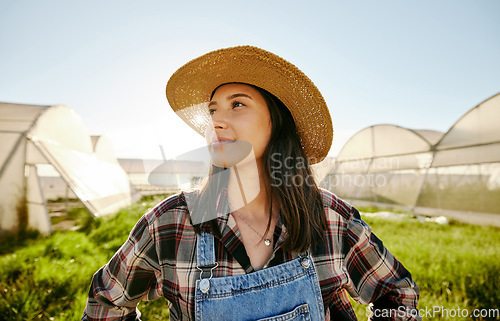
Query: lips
pixel 220 144
pixel 222 141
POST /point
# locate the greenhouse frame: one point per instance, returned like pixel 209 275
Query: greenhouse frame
pixel 33 136
pixel 455 174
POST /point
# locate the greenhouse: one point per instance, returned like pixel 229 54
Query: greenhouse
pixel 456 174
pixel 34 137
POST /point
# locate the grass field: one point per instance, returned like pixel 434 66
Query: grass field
pixel 47 278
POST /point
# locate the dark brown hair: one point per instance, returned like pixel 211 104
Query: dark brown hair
pixel 290 183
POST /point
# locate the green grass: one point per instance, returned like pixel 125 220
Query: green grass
pixel 455 265
pixel 47 278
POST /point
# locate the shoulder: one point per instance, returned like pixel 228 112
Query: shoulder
pixel 171 210
pixel 344 223
pixel 336 206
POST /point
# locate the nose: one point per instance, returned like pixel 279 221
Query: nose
pixel 219 120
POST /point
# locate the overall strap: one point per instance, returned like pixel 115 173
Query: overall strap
pixel 205 251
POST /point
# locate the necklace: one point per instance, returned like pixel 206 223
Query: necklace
pixel 267 242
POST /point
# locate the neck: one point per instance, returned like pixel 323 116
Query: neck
pixel 247 190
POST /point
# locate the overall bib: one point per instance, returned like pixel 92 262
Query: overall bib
pixel 289 291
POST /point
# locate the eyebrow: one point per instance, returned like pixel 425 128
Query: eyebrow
pixel 231 97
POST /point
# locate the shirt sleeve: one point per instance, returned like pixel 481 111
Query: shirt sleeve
pixel 132 274
pixel 376 277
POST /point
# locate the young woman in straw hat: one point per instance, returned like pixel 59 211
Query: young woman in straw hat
pixel 260 240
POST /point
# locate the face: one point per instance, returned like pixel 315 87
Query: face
pixel 240 123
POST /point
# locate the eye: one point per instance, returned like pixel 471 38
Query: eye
pixel 237 104
pixel 211 111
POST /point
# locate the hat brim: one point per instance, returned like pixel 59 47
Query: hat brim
pixel 189 89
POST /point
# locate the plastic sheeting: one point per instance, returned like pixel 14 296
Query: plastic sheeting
pixel 383 164
pixel 102 186
pixel 423 169
pixel 33 135
pixel 386 140
pixel 149 174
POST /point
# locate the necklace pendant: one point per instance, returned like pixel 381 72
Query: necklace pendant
pixel 267 242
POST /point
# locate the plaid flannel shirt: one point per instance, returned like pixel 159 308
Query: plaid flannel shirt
pixel 159 259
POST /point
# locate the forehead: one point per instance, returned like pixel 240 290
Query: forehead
pixel 227 89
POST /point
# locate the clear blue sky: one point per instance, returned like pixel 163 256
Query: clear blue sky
pixel 418 64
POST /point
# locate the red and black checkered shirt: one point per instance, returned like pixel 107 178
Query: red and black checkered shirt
pixel 159 259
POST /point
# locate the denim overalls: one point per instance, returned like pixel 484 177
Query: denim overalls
pixel 289 291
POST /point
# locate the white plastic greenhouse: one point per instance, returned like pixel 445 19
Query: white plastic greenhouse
pixel 456 174
pixel 34 135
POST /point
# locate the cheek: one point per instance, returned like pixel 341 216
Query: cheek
pixel 267 128
pixel 208 133
pixel 264 133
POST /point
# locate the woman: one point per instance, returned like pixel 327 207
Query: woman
pixel 259 241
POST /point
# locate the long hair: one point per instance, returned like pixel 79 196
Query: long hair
pixel 289 183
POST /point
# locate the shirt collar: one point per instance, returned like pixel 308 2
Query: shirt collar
pixel 230 234
pixel 223 214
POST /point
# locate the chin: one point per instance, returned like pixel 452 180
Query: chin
pixel 229 155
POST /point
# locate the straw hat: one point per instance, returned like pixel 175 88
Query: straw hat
pixel 190 87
